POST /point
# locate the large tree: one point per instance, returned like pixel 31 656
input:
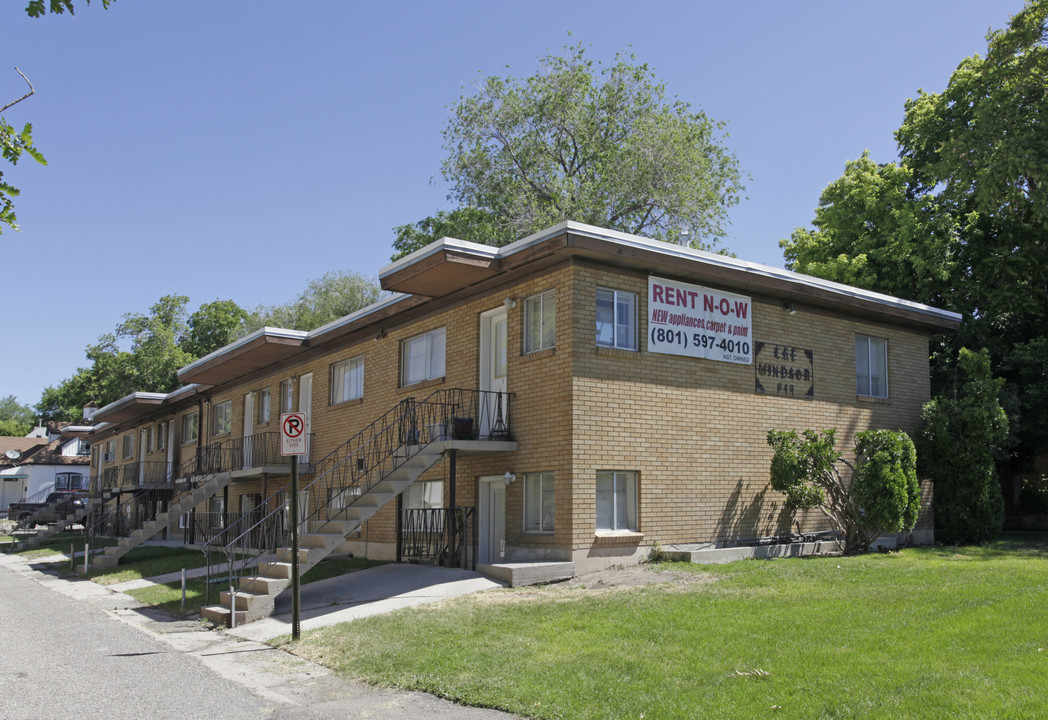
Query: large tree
pixel 144 353
pixel 16 419
pixel 585 142
pixel 962 219
pixel 324 300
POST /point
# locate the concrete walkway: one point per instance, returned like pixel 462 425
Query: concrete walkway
pixel 292 687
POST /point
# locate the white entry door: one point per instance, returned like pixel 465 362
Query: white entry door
pixel 493 405
pixel 492 517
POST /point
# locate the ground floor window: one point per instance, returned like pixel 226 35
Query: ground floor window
pixel 538 502
pixel 616 500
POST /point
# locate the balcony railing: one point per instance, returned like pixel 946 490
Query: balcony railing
pixel 425 535
pixel 254 451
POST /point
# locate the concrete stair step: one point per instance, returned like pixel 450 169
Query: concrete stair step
pixel 278 570
pixel 221 615
pixel 258 585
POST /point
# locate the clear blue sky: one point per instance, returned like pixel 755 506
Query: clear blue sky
pixel 237 149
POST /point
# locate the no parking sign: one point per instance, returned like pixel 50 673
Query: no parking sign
pixel 293 433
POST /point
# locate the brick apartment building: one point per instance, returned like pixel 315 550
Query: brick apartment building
pixel 584 392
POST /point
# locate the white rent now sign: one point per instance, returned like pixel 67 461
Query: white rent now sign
pixel 695 321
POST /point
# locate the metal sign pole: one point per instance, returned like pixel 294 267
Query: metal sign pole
pixel 296 606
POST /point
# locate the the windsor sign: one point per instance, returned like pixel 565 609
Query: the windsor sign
pixel 695 321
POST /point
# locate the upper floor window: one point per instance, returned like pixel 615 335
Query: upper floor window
pixel 263 405
pixel 871 366
pixel 190 427
pixel 83 447
pixel 347 380
pixel 110 453
pixel 129 446
pixel 423 357
pixel 540 325
pixel 223 418
pixel 161 435
pixel 286 396
pixel 617 319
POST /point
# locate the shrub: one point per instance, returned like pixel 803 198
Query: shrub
pixel 958 443
pixel 884 495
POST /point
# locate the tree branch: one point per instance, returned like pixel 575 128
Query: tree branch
pixel 31 91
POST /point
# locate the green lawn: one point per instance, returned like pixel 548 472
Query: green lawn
pixel 924 633
pixel 169 596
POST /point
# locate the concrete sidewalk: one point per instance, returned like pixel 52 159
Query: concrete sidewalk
pixel 364 593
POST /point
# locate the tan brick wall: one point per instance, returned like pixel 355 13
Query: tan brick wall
pixel 695 429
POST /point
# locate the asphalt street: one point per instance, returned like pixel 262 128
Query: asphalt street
pixel 72 649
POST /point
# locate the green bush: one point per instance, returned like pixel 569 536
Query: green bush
pixel 885 485
pixel 959 441
pixel 883 496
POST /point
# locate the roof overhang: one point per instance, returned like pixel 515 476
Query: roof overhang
pixel 130 406
pixel 440 267
pixel 258 350
pixel 439 275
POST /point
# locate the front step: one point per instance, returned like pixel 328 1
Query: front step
pixel 257 596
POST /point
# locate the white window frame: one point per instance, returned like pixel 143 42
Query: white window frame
pixel 623 321
pixel 161 436
pixel 191 427
pixel 616 502
pixel 871 381
pixel 539 503
pixel 128 447
pixel 110 453
pixel 422 357
pixel 287 396
pixel 222 418
pixel 347 380
pixel 540 321
pixel 263 406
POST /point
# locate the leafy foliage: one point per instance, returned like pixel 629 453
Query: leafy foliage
pixel 961 221
pixel 144 353
pixel 38 8
pixel 15 419
pixel 325 300
pixel 473 224
pixel 214 325
pixel 577 141
pixel 884 495
pixel 961 435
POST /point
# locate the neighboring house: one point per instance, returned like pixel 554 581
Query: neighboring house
pixel 590 393
pixel 43 462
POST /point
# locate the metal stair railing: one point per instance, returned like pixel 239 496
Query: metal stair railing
pixel 188 477
pixel 349 471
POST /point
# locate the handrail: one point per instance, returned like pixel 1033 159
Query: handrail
pixel 352 468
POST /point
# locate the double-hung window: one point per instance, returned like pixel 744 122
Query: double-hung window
pixel 422 357
pixel 616 319
pixel 538 502
pixel 286 396
pixel 347 380
pixel 540 326
pixel 129 446
pixel 223 418
pixel 616 500
pixel 263 406
pixel 190 427
pixel 161 436
pixel 871 366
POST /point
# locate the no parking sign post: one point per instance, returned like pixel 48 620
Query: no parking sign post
pixel 293 442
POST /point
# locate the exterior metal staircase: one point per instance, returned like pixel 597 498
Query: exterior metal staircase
pixel 72 518
pixel 189 498
pixel 347 487
pixel 257 595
